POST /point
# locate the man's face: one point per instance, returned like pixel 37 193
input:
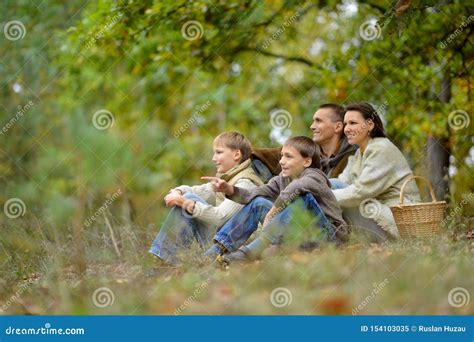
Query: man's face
pixel 323 128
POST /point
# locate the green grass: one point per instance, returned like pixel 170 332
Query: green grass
pixel 39 275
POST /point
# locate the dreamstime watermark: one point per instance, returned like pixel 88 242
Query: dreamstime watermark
pixel 375 291
pixel 280 119
pixel 382 109
pixel 466 199
pixel 102 297
pixel 277 34
pixel 370 208
pixel 14 30
pixel 192 297
pixel 195 117
pixel 370 30
pixel 100 34
pixel 18 293
pixel 20 112
pixel 14 208
pixel 103 207
pixel 103 119
pixel 458 119
pixel 281 297
pixel 465 23
pixel 286 203
pixel 192 30
pixel 46 330
pixel 459 297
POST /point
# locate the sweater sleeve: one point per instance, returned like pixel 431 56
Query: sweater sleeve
pixel 375 177
pixel 204 191
pixel 269 190
pixel 218 215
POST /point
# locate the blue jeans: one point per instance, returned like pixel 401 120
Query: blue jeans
pixel 337 184
pixel 179 231
pixel 280 223
pixel 238 229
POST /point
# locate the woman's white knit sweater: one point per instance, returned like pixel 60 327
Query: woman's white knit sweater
pixel 375 177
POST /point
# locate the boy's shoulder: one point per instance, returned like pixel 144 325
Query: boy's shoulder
pixel 313 173
pixel 308 173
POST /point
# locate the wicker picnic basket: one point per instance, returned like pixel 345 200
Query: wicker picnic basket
pixel 418 219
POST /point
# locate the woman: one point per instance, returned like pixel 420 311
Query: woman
pixel 372 179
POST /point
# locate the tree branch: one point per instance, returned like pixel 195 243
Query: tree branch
pixel 276 55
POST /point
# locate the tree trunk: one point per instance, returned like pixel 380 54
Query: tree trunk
pixel 438 149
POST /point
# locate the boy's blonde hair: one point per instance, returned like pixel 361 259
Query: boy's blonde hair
pixel 235 141
pixel 307 148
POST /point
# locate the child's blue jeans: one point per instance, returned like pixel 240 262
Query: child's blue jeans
pixel 235 232
pixel 179 231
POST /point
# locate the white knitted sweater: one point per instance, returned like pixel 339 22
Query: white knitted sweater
pixel 375 178
pixel 220 209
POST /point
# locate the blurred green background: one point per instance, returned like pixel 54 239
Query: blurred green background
pixel 109 104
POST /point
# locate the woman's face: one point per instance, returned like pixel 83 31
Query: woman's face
pixel 225 158
pixel 356 128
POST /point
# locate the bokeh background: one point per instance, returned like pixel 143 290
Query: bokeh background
pixel 106 105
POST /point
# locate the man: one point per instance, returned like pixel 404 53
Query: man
pixel 328 134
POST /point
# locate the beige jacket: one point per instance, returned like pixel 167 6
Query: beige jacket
pixel 220 209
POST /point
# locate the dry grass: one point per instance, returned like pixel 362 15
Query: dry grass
pixel 39 276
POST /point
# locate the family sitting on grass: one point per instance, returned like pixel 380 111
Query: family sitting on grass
pixel 348 165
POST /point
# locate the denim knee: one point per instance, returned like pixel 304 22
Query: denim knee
pixel 261 201
pixel 308 196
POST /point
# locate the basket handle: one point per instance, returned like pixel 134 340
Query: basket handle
pixel 433 197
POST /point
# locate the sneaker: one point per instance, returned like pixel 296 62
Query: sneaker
pixel 214 251
pixel 240 255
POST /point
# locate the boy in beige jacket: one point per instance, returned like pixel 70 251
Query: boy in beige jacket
pixel 197 211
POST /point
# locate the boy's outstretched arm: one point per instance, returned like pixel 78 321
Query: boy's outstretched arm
pixel 220 185
pixel 244 196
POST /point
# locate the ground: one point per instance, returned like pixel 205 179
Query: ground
pixel 419 277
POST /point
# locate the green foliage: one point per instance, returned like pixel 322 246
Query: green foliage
pixel 169 96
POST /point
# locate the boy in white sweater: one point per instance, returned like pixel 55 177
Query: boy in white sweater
pixel 198 211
